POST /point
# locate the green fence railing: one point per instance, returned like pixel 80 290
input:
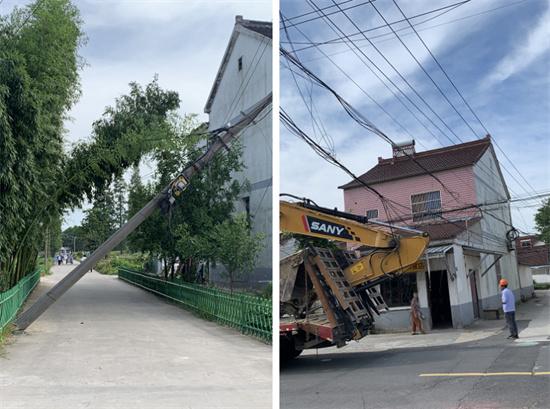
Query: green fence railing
pixel 251 315
pixel 12 299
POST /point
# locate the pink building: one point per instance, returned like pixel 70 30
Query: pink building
pixel 458 195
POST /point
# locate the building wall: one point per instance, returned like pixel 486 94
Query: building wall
pixel 462 309
pixel 526 276
pixel 399 318
pixel 395 320
pixel 489 189
pixel 541 275
pixel 460 181
pixel 238 91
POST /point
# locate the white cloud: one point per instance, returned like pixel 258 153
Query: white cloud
pixel 529 49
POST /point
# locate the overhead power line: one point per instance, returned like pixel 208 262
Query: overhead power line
pixel 334 27
pixel 28 17
pixel 448 8
pixel 290 25
pixel 311 106
pixel 338 40
pixel 413 89
pixel 424 69
pixel 454 86
pixel 354 114
pixel 356 49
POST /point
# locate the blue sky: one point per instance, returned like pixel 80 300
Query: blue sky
pixel 496 52
pixel 132 40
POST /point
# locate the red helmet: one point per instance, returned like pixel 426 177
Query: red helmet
pixel 503 282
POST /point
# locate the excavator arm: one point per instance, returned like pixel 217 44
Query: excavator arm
pixel 389 254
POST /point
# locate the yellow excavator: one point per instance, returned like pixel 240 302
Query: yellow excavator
pixel 328 294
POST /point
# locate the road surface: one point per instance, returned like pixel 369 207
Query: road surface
pixel 107 344
pixel 444 376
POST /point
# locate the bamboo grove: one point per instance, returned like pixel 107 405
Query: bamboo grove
pixel 40 69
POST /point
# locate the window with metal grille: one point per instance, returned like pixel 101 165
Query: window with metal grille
pixel 525 243
pixel 372 214
pixel 398 291
pixel 426 206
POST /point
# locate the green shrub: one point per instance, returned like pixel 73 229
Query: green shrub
pixel 110 264
pixel 542 286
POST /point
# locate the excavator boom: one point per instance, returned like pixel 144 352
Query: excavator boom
pixel 389 254
pixel 330 296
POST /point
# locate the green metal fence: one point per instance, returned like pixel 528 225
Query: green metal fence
pixel 251 315
pixel 13 299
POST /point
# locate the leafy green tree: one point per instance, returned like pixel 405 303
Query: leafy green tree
pixel 119 192
pixel 138 195
pixel 75 238
pixel 100 221
pixel 207 201
pixel 235 247
pixel 39 66
pixel 39 83
pixel 542 221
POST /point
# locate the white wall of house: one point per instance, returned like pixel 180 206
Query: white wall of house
pixel 490 188
pixel 237 91
pixel 459 290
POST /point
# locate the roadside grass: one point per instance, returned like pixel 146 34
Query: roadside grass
pixel 46 267
pixel 542 286
pixel 5 336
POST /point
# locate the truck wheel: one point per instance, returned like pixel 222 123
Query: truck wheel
pixel 287 348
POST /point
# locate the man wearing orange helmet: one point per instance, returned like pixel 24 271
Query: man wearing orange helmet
pixel 509 308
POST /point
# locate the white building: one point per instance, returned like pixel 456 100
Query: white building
pixel 244 78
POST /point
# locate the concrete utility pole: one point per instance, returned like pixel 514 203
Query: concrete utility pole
pixel 224 136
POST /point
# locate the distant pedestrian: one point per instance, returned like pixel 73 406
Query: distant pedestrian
pixel 416 315
pixel 59 259
pixel 509 308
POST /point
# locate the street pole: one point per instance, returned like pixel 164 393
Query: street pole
pixel 224 136
pixel 74 244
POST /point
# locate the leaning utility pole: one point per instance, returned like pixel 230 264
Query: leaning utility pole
pixel 223 136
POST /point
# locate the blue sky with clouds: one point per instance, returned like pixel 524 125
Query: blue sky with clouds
pixel 496 52
pixel 182 41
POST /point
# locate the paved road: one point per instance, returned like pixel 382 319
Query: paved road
pixel 391 378
pixel 107 344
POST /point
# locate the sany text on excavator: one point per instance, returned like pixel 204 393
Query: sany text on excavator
pixel 328 295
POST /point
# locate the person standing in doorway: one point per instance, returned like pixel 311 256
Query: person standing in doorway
pixel 509 308
pixel 416 315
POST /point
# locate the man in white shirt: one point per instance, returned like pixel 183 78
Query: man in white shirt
pixel 509 308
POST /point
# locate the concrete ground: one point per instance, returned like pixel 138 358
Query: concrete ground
pixel 107 344
pixel 439 370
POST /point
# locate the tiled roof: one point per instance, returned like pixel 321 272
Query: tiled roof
pixel 436 160
pixel 261 27
pixel 445 231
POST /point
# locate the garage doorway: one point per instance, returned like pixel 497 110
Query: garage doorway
pixel 440 303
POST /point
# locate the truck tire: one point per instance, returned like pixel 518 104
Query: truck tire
pixel 288 350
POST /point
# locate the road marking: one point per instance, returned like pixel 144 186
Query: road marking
pixel 485 374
